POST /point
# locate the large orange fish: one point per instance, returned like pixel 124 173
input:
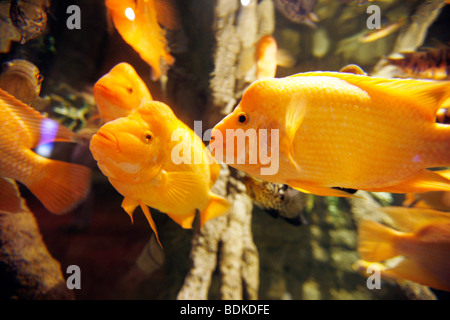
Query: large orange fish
pixel 141 156
pixel 138 22
pixel 119 92
pixel 58 185
pixel 423 239
pixel 339 130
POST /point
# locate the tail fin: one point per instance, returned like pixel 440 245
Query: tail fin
pixel 216 207
pixel 61 186
pixel 376 241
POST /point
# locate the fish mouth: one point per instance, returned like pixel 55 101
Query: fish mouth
pixel 101 87
pixel 106 138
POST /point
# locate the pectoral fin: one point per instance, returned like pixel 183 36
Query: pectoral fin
pixel 318 190
pixel 184 187
pixel 216 207
pixel 295 112
pixel 149 219
pixel 129 205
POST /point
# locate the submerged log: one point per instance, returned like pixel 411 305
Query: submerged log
pixel 226 243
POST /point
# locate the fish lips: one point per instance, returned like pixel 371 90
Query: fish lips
pixel 103 140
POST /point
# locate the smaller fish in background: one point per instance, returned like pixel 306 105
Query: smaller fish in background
pixel 119 92
pixel 298 11
pixel 278 199
pixel 138 22
pixel 422 237
pixel 137 154
pixel 382 32
pixel 60 186
pixel 269 56
pixel 428 63
pixel 23 80
pixel 266 57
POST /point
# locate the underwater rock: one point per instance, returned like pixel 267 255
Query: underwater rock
pixel 29 17
pixel 8 33
pixel 298 11
pixel 27 270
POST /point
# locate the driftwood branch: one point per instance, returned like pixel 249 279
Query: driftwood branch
pixel 226 243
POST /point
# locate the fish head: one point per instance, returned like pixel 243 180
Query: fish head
pixel 244 137
pixel 129 149
pixel 119 92
pixel 22 79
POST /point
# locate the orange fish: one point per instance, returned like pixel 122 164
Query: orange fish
pixel 119 92
pixel 269 57
pixel 266 57
pixel 328 130
pixel 58 185
pixel 423 239
pixel 140 155
pixel 138 23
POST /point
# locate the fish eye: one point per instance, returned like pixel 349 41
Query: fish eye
pixel 130 90
pixel 148 137
pixel 243 118
pixel 39 78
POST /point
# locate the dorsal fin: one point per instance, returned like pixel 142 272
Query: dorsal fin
pixel 428 93
pixel 40 129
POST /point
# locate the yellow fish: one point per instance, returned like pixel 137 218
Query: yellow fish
pixel 58 185
pixel 119 92
pixel 138 23
pixel 327 130
pixel 266 57
pixel 140 155
pixel 423 239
